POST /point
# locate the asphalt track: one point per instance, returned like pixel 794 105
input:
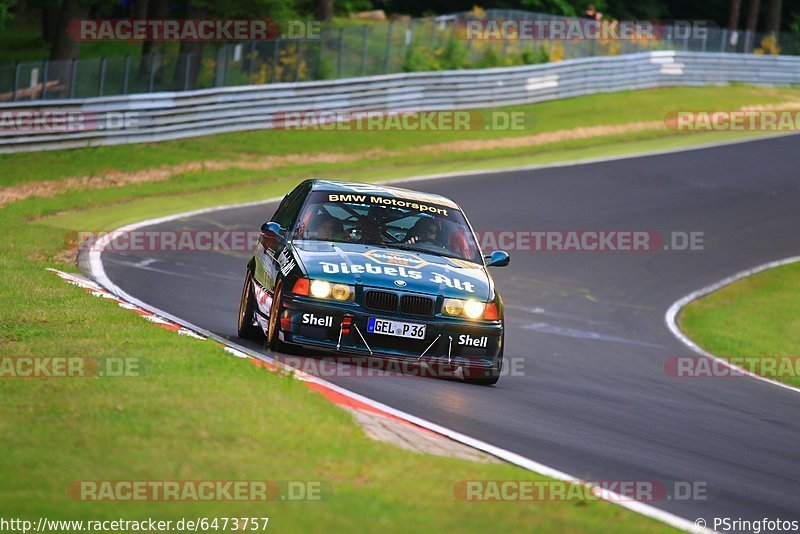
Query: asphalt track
pixel 594 399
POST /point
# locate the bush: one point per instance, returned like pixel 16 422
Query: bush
pixel 490 58
pixel 532 56
pixel 769 45
pixel 420 58
pixel 454 55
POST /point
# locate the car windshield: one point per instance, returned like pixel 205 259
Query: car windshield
pixel 407 224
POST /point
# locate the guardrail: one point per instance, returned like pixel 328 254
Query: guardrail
pixel 166 116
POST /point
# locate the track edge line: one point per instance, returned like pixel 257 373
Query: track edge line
pixel 671 317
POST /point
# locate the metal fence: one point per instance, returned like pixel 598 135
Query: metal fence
pixel 344 52
pixel 176 115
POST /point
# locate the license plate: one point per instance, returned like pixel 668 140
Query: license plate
pixel 395 328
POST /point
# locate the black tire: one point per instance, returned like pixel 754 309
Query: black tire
pixel 247 311
pixel 273 342
pixel 490 376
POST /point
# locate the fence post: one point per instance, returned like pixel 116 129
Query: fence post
pixel 187 70
pixel 251 62
pixel 102 81
pixel 275 48
pixel 73 73
pixel 45 65
pixel 151 75
pixel 365 34
pixel 218 67
pixel 340 53
pixel 225 69
pixel 16 81
pixel 321 58
pixel 724 40
pixel 298 48
pixel 126 74
pixel 388 47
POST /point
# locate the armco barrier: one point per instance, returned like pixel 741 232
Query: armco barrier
pixel 165 116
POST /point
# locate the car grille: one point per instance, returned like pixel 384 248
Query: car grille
pixel 381 301
pixel 415 305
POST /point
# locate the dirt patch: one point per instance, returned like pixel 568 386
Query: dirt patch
pixel 545 138
pixel 785 106
pixel 119 179
pixel 416 439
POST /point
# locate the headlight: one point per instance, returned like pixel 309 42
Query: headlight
pixel 341 292
pixel 325 290
pixel 453 306
pixel 320 289
pixel 471 309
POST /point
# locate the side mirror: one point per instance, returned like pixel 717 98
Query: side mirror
pixel 272 228
pixel 498 258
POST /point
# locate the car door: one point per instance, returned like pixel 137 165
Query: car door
pixel 272 244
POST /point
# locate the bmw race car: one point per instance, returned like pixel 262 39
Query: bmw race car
pixel 375 271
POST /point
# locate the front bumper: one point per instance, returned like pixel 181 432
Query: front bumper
pixel 317 324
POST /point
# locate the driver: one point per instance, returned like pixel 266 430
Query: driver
pixel 424 232
pixel 330 229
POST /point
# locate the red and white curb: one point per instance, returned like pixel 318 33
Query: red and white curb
pixel 349 399
pixel 311 381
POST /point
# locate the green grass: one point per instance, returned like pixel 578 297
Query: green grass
pixel 628 106
pixel 198 413
pixel 756 317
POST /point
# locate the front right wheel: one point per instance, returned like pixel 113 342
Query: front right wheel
pixel 248 329
pixel 273 326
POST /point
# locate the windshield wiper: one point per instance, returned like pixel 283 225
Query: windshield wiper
pixel 405 246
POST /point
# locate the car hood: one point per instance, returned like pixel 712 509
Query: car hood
pixel 387 268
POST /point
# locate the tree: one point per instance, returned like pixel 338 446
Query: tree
pixel 5 11
pixel 733 19
pixel 774 16
pixel 190 55
pixel 323 10
pixel 752 16
pixel 50 12
pixel 63 46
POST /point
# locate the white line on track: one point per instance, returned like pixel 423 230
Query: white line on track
pixel 671 318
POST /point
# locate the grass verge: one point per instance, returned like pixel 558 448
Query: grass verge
pixel 754 321
pixel 197 413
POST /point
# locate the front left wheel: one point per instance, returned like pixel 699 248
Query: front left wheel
pixel 489 377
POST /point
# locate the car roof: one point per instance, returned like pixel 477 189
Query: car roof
pixel 384 190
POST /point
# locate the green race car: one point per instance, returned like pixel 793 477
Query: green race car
pixel 375 271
